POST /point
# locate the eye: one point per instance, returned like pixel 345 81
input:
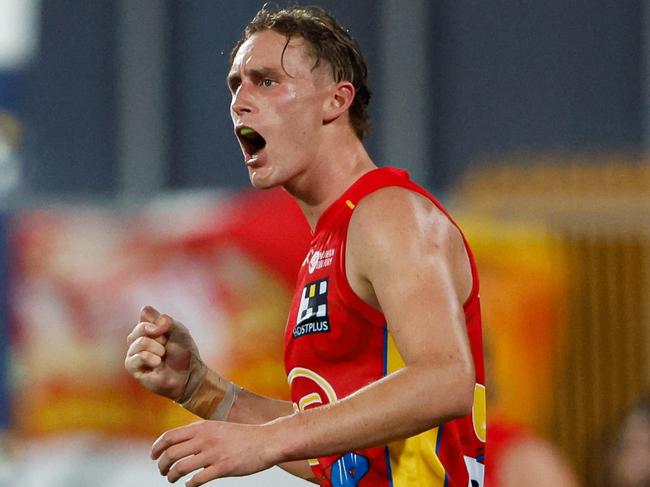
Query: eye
pixel 267 82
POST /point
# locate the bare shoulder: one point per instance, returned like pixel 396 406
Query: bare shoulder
pixel 397 218
pixel 396 228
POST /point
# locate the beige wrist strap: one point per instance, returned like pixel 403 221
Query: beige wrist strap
pixel 213 398
pixel 226 404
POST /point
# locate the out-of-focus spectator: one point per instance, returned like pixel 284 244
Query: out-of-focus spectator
pixel 515 456
pixel 630 458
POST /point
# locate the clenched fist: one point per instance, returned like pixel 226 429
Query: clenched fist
pixel 163 357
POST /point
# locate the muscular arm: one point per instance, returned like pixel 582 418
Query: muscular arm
pixel 407 259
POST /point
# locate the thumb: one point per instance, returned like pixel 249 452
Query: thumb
pixel 158 325
pixel 161 327
pixel 149 314
pixel 164 324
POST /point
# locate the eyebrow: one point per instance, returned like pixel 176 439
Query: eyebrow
pixel 255 73
pixel 231 79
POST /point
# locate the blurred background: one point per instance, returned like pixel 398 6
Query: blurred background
pixel 121 184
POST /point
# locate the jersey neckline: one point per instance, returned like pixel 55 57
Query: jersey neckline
pixel 347 199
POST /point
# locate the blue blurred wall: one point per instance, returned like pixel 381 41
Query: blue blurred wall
pixel 504 76
pixel 538 76
pixel 70 103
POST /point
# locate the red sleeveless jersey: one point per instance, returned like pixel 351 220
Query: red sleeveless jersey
pixel 335 344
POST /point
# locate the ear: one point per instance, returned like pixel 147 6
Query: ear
pixel 339 101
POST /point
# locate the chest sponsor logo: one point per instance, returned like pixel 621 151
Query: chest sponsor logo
pixel 320 259
pixel 312 314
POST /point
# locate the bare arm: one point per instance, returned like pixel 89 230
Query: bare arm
pixel 406 258
pixel 251 408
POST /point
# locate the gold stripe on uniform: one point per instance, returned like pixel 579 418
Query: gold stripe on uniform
pixel 413 461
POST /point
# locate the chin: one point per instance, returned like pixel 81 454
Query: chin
pixel 260 182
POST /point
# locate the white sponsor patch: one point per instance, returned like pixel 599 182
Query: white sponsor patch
pixel 319 259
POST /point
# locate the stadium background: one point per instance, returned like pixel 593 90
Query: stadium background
pixel 121 184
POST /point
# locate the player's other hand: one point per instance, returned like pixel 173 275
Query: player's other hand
pixel 214 449
pixel 162 356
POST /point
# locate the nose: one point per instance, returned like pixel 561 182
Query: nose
pixel 241 100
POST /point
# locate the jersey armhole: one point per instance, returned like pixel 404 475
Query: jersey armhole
pixel 376 317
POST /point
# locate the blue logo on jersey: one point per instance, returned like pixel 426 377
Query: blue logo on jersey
pixel 349 470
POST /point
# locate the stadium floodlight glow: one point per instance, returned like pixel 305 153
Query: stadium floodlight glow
pixel 18 32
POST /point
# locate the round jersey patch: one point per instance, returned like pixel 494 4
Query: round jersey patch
pixel 313 262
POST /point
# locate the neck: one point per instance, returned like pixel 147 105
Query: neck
pixel 327 178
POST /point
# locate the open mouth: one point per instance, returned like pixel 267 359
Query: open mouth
pixel 250 140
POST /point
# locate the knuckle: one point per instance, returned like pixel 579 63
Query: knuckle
pixel 139 345
pixel 196 480
pixel 132 349
pixel 147 359
pixel 167 439
pixel 137 362
pixel 143 344
pixel 142 356
pixel 180 469
pixel 135 333
pixel 133 363
pixel 175 451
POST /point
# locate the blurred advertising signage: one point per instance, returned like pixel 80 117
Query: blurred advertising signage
pixel 5 403
pixel 224 267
